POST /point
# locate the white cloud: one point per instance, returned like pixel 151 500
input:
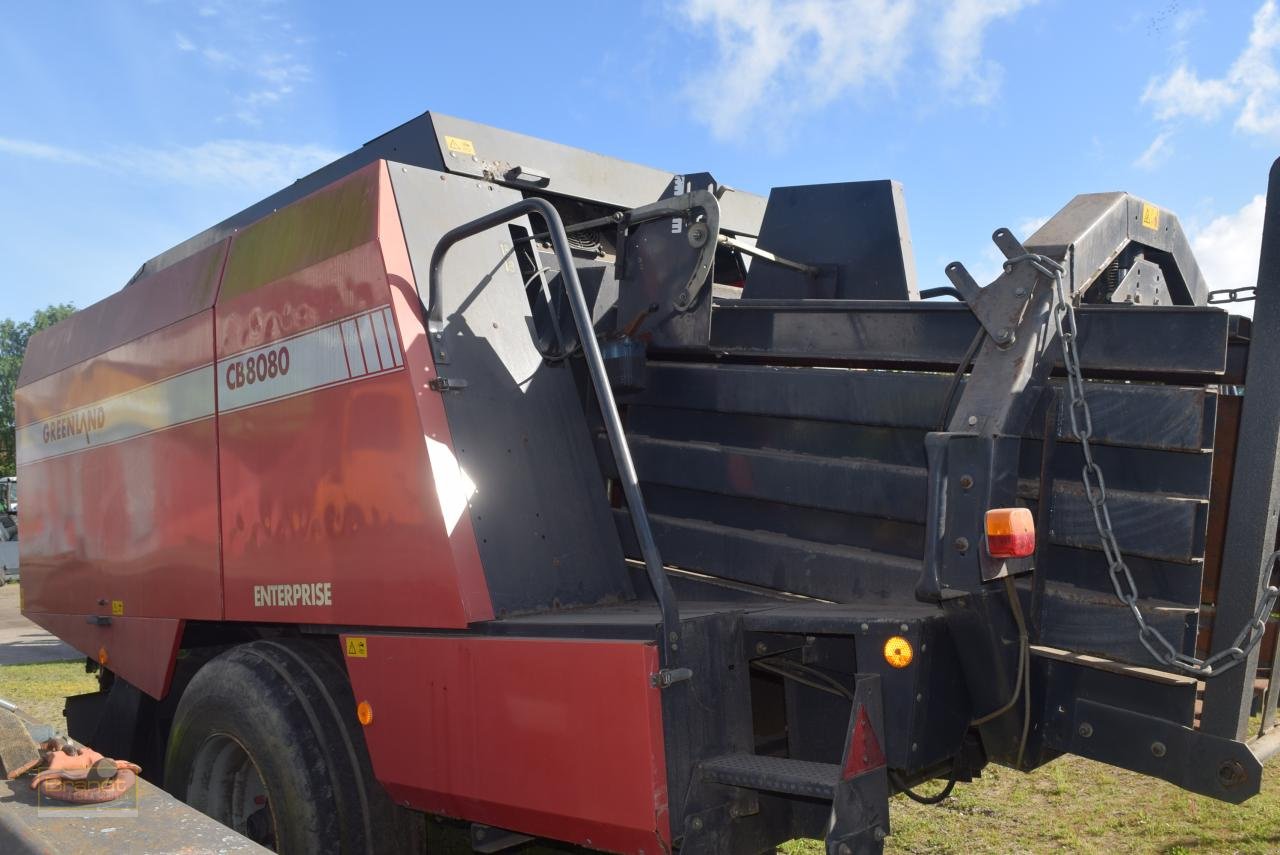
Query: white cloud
pixel 1255 75
pixel 241 163
pixel 958 42
pixel 41 151
pixel 1183 93
pixel 1252 82
pixel 1028 227
pixel 243 47
pixel 247 163
pixel 1155 154
pixel 776 59
pixel 1227 248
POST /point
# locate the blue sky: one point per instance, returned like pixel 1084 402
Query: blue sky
pixel 126 127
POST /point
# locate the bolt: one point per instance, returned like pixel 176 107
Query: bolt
pixel 673 637
pixel 914 746
pixel 762 648
pixel 903 627
pixel 1004 334
pixel 880 833
pixel 1086 730
pixel 844 849
pixel 479 834
pixel 696 824
pixel 919 698
pixel 1231 774
pixel 1019 292
pixel 1158 749
pixel 866 627
pixel 973 420
pixel 961 544
pixel 966 482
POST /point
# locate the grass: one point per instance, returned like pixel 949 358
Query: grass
pixel 1077 805
pixel 39 689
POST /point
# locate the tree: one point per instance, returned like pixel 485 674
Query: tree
pixel 13 346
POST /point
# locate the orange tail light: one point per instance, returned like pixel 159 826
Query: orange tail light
pixel 1011 533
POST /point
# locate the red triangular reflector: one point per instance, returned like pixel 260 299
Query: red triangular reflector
pixel 865 753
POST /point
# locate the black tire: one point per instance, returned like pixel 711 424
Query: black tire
pixel 265 740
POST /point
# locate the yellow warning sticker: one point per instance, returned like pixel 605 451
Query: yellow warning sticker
pixel 358 648
pixel 117 607
pixel 1150 216
pixel 460 145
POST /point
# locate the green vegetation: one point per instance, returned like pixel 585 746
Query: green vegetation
pixel 13 346
pixel 1076 805
pixel 38 690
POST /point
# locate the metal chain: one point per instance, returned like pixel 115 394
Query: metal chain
pixel 1095 488
pixel 1243 294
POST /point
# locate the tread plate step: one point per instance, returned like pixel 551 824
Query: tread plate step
pixel 773 774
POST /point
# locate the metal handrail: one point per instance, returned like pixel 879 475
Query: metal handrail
pixel 662 589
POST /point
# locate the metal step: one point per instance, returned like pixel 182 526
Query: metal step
pixel 773 774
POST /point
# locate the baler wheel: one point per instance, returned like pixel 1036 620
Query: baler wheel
pixel 265 740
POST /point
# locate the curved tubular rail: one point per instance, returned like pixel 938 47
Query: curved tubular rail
pixel 599 379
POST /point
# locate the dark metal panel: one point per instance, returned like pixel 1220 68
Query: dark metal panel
pixel 850 486
pixel 881 535
pixel 1087 569
pixel 856 232
pixel 892 399
pixel 802 436
pixel 1144 415
pixel 1251 527
pixel 1172 342
pixel 1148 525
pixel 829 571
pixel 538 505
pixel 1142 470
pixel 494 154
pixel 1089 622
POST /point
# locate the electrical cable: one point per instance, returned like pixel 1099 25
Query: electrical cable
pixel 954 386
pixel 1023 667
pixel 936 798
pixel 810 677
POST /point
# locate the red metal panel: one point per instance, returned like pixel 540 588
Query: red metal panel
pixel 331 510
pixel 549 737
pixel 170 350
pixel 117 458
pixel 180 291
pixel 141 650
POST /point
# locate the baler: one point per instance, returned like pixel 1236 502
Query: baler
pixel 482 477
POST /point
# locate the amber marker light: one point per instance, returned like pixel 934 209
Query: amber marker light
pixel 364 713
pixel 1011 533
pixel 102 656
pixel 898 652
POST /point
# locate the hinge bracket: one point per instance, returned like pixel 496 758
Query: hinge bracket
pixel 447 384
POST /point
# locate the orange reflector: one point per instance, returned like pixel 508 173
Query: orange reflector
pixel 898 652
pixel 1011 533
pixel 102 656
pixel 364 713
